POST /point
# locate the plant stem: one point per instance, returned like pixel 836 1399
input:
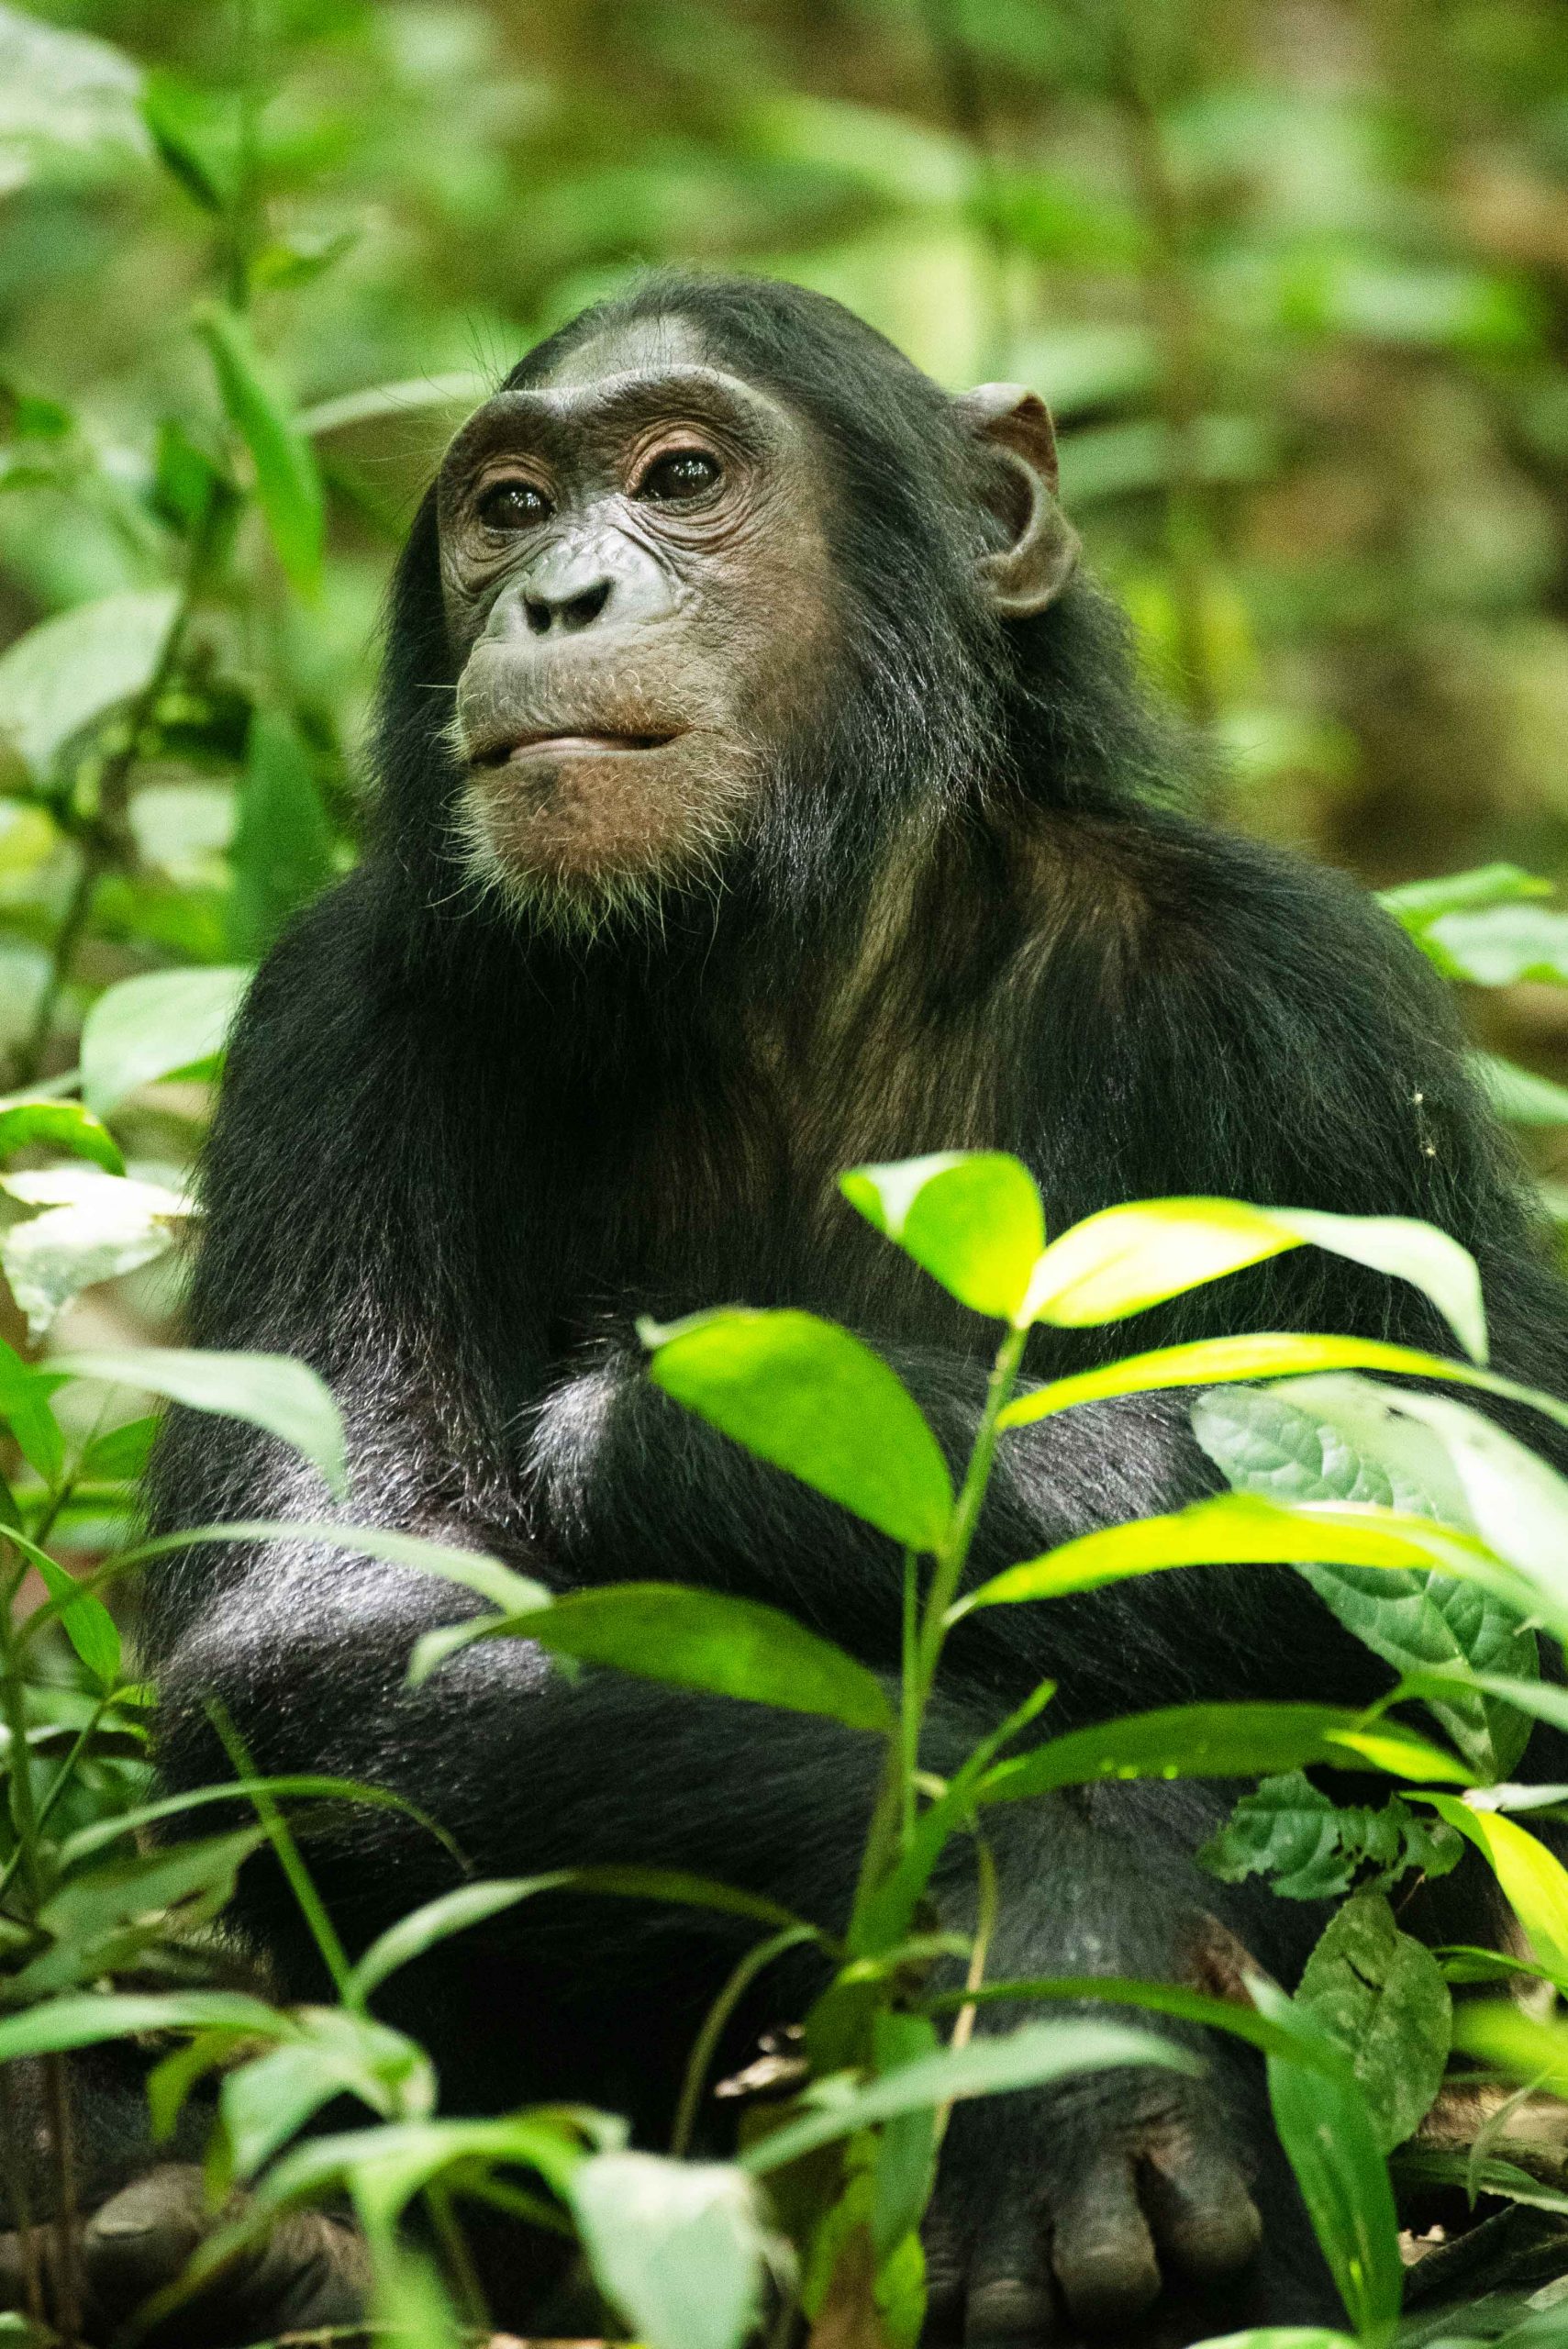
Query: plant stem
pixel 459 2258
pixel 699 2062
pixel 13 1705
pixel 67 2278
pixel 953 1555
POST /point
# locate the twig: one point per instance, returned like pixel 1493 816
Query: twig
pixel 67 2278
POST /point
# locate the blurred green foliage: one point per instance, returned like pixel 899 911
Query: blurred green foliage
pixel 1293 276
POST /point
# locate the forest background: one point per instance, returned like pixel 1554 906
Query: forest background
pixel 1293 275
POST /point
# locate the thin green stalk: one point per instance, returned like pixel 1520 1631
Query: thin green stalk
pixel 953 1555
pixel 909 1708
pixel 312 1908
pixel 458 2259
pixel 13 1705
pixel 57 1786
pixel 700 2062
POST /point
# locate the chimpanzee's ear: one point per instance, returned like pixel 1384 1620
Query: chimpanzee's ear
pixel 1030 572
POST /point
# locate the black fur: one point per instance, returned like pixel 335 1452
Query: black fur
pixel 452 1160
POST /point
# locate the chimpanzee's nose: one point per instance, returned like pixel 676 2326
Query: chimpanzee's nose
pixel 567 608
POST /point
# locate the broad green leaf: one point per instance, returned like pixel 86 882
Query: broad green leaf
pixel 1289 1445
pixel 70 671
pixel 288 487
pixel 689 1638
pixel 1495 946
pixel 96 1900
pixel 1311 1848
pixel 95 2015
pixel 1421 1620
pixel 1534 1882
pixel 281 849
pixel 1232 1529
pixel 122 1451
pixel 1381 1997
pixel 1330 2141
pixel 196 133
pixel 86 1622
pixel 1414 903
pixel 989 2065
pixel 973 1219
pixel 270 1391
pixel 24 1406
pixel 331 2052
pixel 1518 1093
pixel 1216 1741
pixel 810 1398
pixel 91 1226
pixel 437 1921
pixel 58 1125
pixel 681 2248
pixel 154 1026
pixel 1518 1504
pixel 1126 1258
pixel 1274 1354
pixel 904 2167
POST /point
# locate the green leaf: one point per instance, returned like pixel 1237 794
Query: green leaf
pixel 58 1125
pixel 1126 1258
pixel 1312 1848
pixel 90 2019
pixel 989 2065
pixel 73 669
pixel 1330 2140
pixel 288 487
pixel 511 1592
pixel 973 1219
pixel 1214 1362
pixel 689 1638
pixel 270 1391
pixel 438 1920
pixel 1501 945
pixel 1233 1529
pixel 1418 1621
pixel 70 111
pixel 25 1394
pixel 1381 1997
pixel 681 2248
pixel 87 1624
pixel 282 851
pixel 1534 1882
pixel 154 1026
pixel 1416 903
pixel 196 134
pixel 121 1453
pixel 1498 2032
pixel 331 2052
pixel 1518 1095
pixel 1216 1741
pixel 94 1227
pixel 97 1900
pixel 810 1398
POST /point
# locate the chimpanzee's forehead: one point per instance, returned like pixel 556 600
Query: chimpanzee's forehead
pixel 629 346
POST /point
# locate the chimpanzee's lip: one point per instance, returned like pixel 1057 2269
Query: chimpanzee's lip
pixel 502 753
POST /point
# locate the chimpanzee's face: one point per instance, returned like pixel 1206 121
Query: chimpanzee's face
pixel 639 587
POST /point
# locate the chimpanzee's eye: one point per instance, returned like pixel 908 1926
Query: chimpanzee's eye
pixel 514 505
pixel 683 473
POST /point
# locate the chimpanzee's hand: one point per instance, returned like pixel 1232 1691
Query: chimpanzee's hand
pixel 1119 2202
pixel 309 2271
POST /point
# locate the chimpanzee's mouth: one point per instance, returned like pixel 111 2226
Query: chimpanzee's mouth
pixel 528 746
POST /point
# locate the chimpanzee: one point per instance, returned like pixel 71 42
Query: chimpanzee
pixel 763 789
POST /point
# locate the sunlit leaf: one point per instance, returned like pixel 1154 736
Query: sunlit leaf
pixel 690 1639
pixel 93 1227
pixel 89 2020
pixel 1216 1741
pixel 154 1026
pixel 1414 903
pixel 1233 1529
pixel 68 104
pixel 973 1219
pixel 1497 946
pixel 288 487
pixel 1534 1881
pixel 681 2248
pixel 1126 1258
pixel 1519 1093
pixel 70 671
pixel 812 1398
pixel 270 1391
